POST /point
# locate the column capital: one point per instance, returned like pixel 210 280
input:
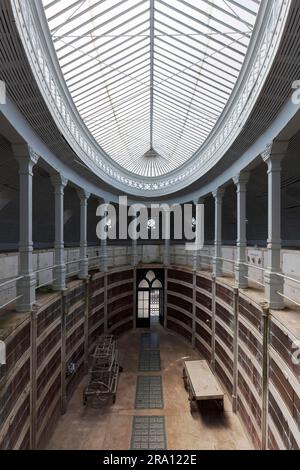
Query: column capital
pixel 241 178
pixel 274 152
pixel 25 155
pixel 58 180
pixel 83 195
pixel 166 208
pixel 199 200
pixel 218 193
pixel 102 200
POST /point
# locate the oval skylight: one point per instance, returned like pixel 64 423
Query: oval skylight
pixel 150 78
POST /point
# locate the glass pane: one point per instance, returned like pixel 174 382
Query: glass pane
pixel 150 276
pixel 143 304
pixel 156 284
pixel 140 84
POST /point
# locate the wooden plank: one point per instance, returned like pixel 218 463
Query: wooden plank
pixel 203 382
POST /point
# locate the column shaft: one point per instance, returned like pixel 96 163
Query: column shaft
pixel 217 262
pixel 84 264
pixel 241 270
pixel 167 235
pixel 134 255
pixel 199 220
pixel 25 286
pixel 274 284
pixel 103 265
pixel 59 272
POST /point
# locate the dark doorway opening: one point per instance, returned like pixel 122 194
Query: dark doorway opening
pixel 150 297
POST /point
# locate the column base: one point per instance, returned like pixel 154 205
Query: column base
pixel 167 261
pixel 59 275
pixel 103 265
pixel 26 288
pixel 273 285
pixel 83 269
pixel 240 271
pixel 234 404
pixel 134 260
pixel 217 267
pixel 195 261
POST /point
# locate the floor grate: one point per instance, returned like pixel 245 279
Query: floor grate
pixel 149 341
pixel 149 393
pixel 148 432
pixel 149 360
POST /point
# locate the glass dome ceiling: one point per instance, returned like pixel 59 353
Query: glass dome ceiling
pixel 150 78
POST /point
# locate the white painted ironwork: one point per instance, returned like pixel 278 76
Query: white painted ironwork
pixel 224 107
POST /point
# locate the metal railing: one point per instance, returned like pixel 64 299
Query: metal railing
pixel 204 260
pixel 93 263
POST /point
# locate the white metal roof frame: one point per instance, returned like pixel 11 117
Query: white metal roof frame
pixel 151 74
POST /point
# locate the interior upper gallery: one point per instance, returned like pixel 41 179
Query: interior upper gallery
pixel 149 225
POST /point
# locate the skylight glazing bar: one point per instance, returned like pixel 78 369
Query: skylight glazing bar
pixel 151 74
pixel 212 38
pixel 151 70
pixel 95 28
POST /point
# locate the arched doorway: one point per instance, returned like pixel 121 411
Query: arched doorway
pixel 150 297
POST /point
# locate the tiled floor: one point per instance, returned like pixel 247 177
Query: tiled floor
pixel 149 361
pixel 149 393
pixel 148 433
pixel 150 340
pixel 111 428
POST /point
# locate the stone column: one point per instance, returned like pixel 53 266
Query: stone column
pixel 27 158
pixel 197 253
pixel 273 156
pixel 103 251
pixel 167 231
pixel 59 272
pixel 134 244
pixel 134 253
pixel 84 263
pixel 217 262
pixel 241 271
